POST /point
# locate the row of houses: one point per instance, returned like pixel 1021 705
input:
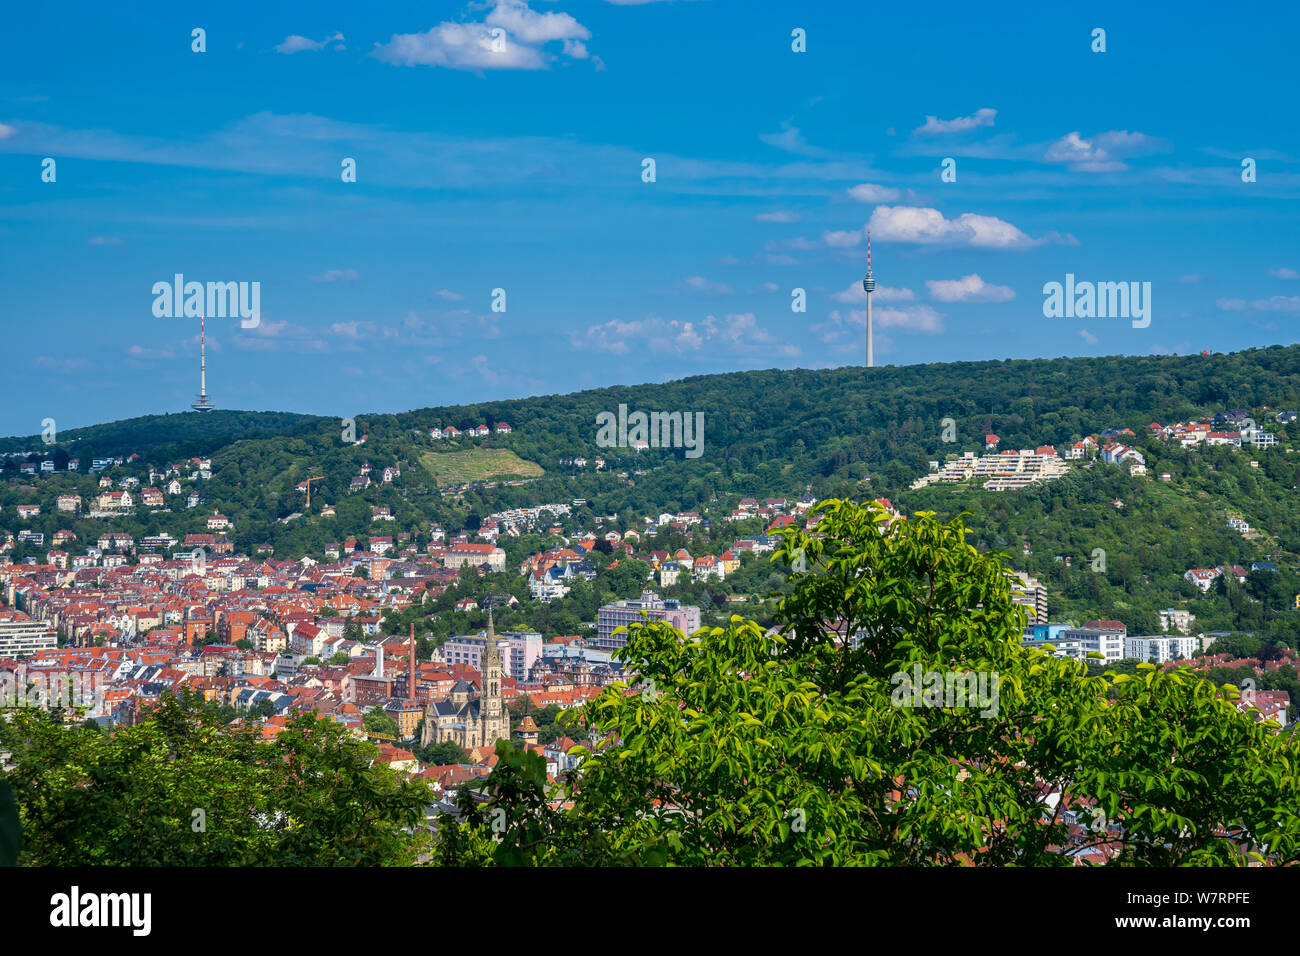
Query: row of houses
pixel 475 431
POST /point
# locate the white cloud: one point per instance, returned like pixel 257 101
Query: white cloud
pixel 935 126
pixel 843 238
pixel 485 370
pixel 1190 279
pixel 770 287
pixel 909 318
pixel 353 330
pixel 701 284
pixel 855 294
pixel 277 337
pixel 297 44
pixel 520 35
pixel 1102 153
pixel 928 226
pixel 150 355
pixel 336 275
pixel 969 288
pixel 1284 273
pixel 6 131
pixel 1277 303
pixel 790 140
pixel 1088 337
pixel 533 27
pixel 869 192
pixel 737 333
pixel 448 295
pixel 781 215
pixel 62 364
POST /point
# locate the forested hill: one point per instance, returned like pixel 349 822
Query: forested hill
pixel 839 432
pixel 845 414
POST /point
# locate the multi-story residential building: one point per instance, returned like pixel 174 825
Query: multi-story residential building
pixel 1001 472
pixel 519 650
pixel 1108 643
pixel 1177 619
pixel 1031 594
pixel 1158 649
pixel 685 618
pixel 475 555
pixel 21 636
pixel 1203 578
pixel 1258 437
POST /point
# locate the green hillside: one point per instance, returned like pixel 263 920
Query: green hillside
pixel 837 432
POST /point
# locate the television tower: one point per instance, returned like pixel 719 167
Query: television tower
pixel 203 404
pixel 869 286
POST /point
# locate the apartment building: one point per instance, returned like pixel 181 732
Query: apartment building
pixel 1159 649
pixel 685 618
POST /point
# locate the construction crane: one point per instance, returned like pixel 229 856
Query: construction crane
pixel 308 484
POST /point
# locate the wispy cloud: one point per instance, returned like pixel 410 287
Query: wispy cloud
pixel 1276 303
pixel 701 284
pixel 61 364
pixel 969 288
pixel 870 192
pixel 961 124
pixel 781 215
pixel 299 44
pixel 337 275
pixel 1102 153
pixel 149 354
pixel 736 334
pixel 855 294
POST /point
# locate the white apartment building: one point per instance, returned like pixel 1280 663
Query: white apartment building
pixel 1109 644
pixel 1159 649
pixel 26 637
pixel 1176 619
pixel 1008 470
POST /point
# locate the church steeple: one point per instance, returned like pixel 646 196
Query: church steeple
pixel 494 724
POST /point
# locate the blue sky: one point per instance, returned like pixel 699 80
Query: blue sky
pixel 521 169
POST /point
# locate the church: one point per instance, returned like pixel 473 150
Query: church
pixel 468 718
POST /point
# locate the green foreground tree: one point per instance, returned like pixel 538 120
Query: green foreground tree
pixel 181 789
pixel 794 747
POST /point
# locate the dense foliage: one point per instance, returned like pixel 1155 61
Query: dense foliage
pixel 789 747
pixel 182 789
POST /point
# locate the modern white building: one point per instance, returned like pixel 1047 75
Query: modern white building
pixel 1176 619
pixel 1109 644
pixel 1159 649
pixel 22 638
